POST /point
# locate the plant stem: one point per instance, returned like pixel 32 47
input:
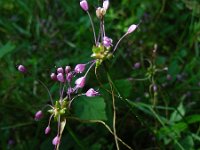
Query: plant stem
pixel 114 113
pixel 103 123
pixel 95 40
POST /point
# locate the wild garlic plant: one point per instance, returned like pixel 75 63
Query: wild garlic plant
pixel 73 80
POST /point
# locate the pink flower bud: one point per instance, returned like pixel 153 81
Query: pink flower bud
pixel 131 28
pixel 67 69
pixel 105 4
pixel 22 69
pixel 69 77
pixel 137 65
pixel 47 130
pixel 53 76
pixel 80 82
pixel 60 70
pixel 84 5
pixel 60 77
pixel 38 115
pixel 107 42
pixel 56 140
pixel 79 68
pixel 91 93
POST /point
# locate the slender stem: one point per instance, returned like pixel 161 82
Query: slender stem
pixel 50 120
pixel 114 113
pixel 47 91
pixel 62 92
pixel 70 102
pixel 89 68
pixel 103 27
pixel 103 123
pixel 92 28
pixel 119 42
pixel 57 146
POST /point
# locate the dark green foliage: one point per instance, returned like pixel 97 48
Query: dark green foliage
pixel 42 34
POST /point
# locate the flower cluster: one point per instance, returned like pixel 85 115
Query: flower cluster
pixel 102 49
pixel 72 80
pixel 70 84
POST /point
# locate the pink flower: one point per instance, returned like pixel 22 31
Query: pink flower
pixel 91 93
pixel 107 42
pixel 60 70
pixel 105 4
pixel 79 68
pixel 67 69
pixel 131 28
pixel 56 140
pixel 137 65
pixel 60 77
pixel 22 69
pixel 38 115
pixel 53 76
pixel 80 82
pixel 47 130
pixel 84 5
pixel 69 76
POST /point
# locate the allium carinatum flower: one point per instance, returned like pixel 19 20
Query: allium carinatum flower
pixel 22 69
pixel 80 82
pixel 107 42
pixel 91 93
pixel 79 68
pixel 47 130
pixel 84 5
pixel 38 115
pixel 56 140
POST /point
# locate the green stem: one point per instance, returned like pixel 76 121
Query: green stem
pixel 114 113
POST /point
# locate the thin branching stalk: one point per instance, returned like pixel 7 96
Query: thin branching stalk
pixel 103 123
pixel 119 42
pixel 51 99
pixel 114 113
pixel 92 24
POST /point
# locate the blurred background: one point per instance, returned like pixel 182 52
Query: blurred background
pixel 44 34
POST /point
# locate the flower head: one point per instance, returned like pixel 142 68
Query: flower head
pixel 91 93
pixel 56 140
pixel 67 69
pixel 100 12
pixel 107 42
pixel 131 28
pixel 38 115
pixel 22 69
pixel 105 4
pixel 47 130
pixel 69 76
pixel 53 76
pixel 84 5
pixel 137 65
pixel 60 70
pixel 80 82
pixel 60 77
pixel 79 68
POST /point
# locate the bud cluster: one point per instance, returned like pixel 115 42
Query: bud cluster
pixel 69 92
pixel 103 44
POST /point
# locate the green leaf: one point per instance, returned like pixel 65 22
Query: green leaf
pixel 193 118
pixel 178 114
pixel 188 143
pixel 90 108
pixel 6 49
pixel 124 86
